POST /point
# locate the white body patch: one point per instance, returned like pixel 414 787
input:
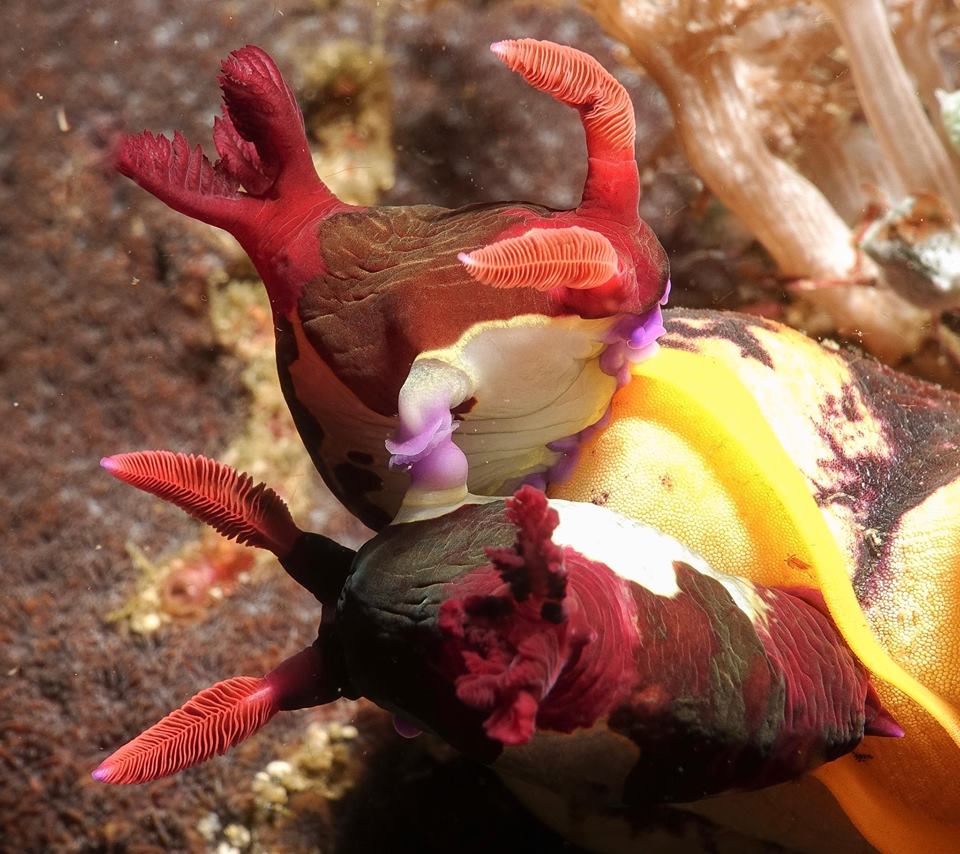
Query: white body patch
pixel 642 554
pixel 536 379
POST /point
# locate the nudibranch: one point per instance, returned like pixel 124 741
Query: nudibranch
pixel 398 325
pixel 794 464
pixel 559 641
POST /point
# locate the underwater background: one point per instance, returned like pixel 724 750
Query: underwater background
pixel 124 325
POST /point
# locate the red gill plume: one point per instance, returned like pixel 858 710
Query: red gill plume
pixel 533 566
pixel 212 492
pixel 239 157
pixel 184 178
pixel 262 110
pixel 208 724
pixel 532 644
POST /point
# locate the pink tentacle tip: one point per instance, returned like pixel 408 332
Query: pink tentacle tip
pixel 110 464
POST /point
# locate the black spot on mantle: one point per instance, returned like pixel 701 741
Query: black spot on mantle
pixel 685 326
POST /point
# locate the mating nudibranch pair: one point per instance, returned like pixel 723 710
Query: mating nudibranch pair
pixel 762 502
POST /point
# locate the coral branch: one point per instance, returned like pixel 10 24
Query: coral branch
pixel 545 258
pixel 914 35
pixel 208 724
pixel 889 100
pixel 212 492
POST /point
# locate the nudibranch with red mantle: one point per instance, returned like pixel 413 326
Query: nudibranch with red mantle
pixel 397 326
pixel 559 641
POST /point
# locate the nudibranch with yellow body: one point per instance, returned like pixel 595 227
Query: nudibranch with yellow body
pixel 762 460
pixel 795 464
pixel 398 325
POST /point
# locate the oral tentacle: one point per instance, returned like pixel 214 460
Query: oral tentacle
pixel 544 259
pixel 578 80
pixel 423 442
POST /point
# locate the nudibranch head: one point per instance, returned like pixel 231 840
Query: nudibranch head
pixel 532 634
pixel 402 325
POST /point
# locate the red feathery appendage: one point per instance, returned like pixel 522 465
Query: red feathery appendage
pixel 264 111
pixel 239 157
pixel 577 79
pixel 533 566
pixel 184 179
pixel 262 146
pixel 545 258
pixel 212 492
pixel 541 637
pixel 208 724
pixel 514 643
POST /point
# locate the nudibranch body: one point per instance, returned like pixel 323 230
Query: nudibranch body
pixel 813 467
pixel 565 644
pixel 398 325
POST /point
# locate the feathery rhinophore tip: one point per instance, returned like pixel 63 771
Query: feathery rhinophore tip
pixel 212 492
pixel 183 178
pixel 210 723
pixel 577 79
pixel 545 258
pixel 239 157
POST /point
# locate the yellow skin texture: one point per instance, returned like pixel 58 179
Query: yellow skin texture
pixel 726 454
